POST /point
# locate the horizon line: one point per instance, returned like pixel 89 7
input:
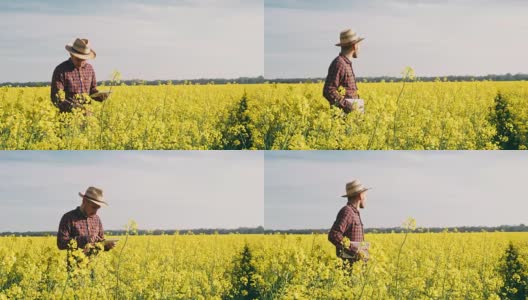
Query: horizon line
pixel 418 228
pixel 262 78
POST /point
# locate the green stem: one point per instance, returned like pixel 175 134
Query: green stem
pixel 398 265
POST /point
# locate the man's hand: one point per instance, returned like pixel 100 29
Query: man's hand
pixel 348 253
pixel 346 104
pixel 109 244
pixel 349 105
pixel 354 253
pixel 363 253
pixel 87 239
pixel 90 241
pixel 101 97
pixel 67 105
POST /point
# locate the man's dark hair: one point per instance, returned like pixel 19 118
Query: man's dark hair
pixel 353 198
pixel 347 47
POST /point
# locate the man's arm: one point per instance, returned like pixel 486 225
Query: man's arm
pixel 93 88
pixel 93 84
pixel 335 236
pixel 63 235
pixel 101 238
pixel 333 80
pixel 354 220
pixel 57 84
pixel 100 234
pixel 108 244
pixel 58 96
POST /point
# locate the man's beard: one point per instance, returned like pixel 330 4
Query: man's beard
pixel 361 205
pixel 354 55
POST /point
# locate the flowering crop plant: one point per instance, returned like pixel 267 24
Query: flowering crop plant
pixel 398 115
pixel 411 265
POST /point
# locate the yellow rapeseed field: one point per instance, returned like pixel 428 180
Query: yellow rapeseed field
pixel 448 265
pixel 410 115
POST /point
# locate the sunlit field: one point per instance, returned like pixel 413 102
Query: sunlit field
pixel 447 265
pixel 402 115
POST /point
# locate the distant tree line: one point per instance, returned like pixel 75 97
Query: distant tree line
pixel 491 77
pixel 201 81
pixel 261 230
pixel 261 79
pixel 504 228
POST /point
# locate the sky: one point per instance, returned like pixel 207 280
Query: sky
pixel 158 39
pixel 157 189
pixel 437 188
pixel 435 37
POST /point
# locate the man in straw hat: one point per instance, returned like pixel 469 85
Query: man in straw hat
pixel 348 224
pixel 341 74
pixel 74 78
pixel 83 224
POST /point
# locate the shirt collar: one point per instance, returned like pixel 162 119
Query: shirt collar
pixel 353 208
pixel 346 59
pixel 80 212
pixel 73 66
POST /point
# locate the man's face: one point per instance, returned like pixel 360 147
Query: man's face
pixel 77 62
pixel 362 199
pixel 356 50
pixel 90 208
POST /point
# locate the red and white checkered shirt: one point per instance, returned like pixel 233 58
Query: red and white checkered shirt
pixel 348 223
pixel 340 73
pixel 73 81
pixel 76 225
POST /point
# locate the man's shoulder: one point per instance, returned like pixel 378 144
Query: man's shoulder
pixel 97 218
pixel 350 210
pixel 88 66
pixel 339 61
pixel 64 66
pixel 72 214
pixel 346 209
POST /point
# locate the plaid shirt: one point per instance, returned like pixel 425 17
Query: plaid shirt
pixel 348 223
pixel 76 225
pixel 73 81
pixel 340 73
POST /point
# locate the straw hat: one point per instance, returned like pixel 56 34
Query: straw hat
pixel 353 188
pixel 348 36
pixel 95 195
pixel 81 49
